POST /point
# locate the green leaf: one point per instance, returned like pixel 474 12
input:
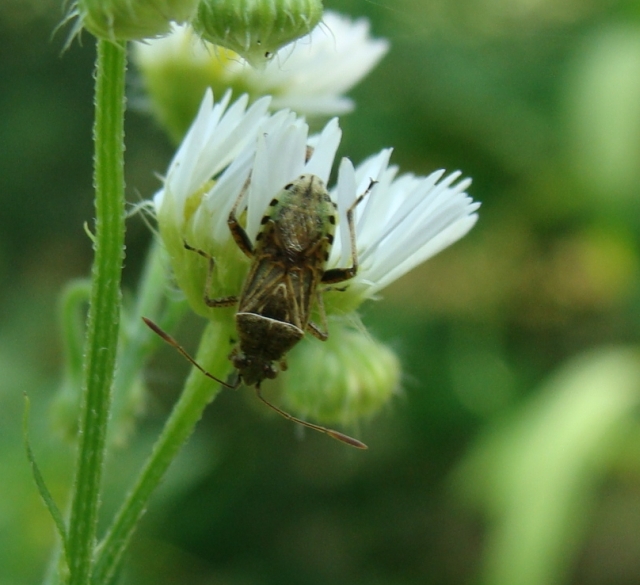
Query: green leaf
pixel 40 483
pixel 537 474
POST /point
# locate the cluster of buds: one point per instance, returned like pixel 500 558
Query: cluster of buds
pixel 255 29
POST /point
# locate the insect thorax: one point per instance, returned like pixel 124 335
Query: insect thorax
pixel 299 224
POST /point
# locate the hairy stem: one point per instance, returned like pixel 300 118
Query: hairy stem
pixel 104 309
pixel 198 392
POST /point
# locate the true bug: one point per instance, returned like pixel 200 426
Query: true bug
pixel 283 282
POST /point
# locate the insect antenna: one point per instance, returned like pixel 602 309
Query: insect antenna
pixel 171 341
pixel 333 434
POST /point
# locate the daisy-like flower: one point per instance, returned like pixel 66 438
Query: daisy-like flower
pixel 191 207
pixel 234 154
pixel 309 76
pixel 404 221
pixel 312 75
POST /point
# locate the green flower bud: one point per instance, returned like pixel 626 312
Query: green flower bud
pixel 133 19
pixel 343 379
pixel 256 29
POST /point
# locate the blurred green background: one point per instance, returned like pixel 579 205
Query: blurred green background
pixel 512 453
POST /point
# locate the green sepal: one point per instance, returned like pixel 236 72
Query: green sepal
pixel 348 377
pixel 256 29
pixel 126 20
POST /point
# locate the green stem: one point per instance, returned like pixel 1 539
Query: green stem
pixel 72 316
pixel 104 309
pixel 73 306
pixel 198 392
pixel 137 341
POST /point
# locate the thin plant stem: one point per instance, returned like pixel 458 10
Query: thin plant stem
pixel 104 309
pixel 199 391
pixel 138 342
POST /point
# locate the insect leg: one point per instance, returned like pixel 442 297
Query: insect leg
pixel 237 231
pixel 171 341
pixel 208 300
pixel 295 316
pixel 321 333
pixel 335 275
pixel 333 434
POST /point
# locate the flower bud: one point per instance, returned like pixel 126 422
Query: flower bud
pixel 256 29
pixel 133 19
pixel 347 377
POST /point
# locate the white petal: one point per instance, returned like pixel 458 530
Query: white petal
pixel 345 195
pixel 315 105
pixel 217 204
pixel 279 159
pixel 180 175
pixel 214 139
pixel 403 221
pixel 444 239
pixel 324 151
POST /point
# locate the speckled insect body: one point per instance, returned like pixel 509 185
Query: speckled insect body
pixel 288 266
pixel 283 284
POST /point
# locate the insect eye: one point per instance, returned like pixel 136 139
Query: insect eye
pixel 270 371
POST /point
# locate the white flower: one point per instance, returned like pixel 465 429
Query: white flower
pixel 238 155
pixel 219 154
pixel 309 76
pixel 213 142
pixel 401 222
pixel 220 144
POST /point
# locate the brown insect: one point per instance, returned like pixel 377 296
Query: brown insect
pixel 283 284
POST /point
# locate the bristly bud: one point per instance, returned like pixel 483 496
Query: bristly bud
pixel 256 29
pixel 342 380
pixel 132 19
